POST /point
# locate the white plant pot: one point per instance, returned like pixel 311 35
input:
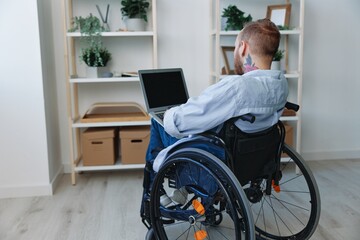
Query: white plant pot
pixel 96 72
pixel 275 65
pixel 135 24
pixel 92 72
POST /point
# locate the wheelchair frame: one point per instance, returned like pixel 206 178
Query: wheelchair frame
pixel 243 205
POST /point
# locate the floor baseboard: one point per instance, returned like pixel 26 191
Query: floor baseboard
pixel 331 155
pixel 32 190
pixel 25 191
pixel 56 180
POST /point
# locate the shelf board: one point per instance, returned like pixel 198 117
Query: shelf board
pixel 117 34
pixel 292 74
pixel 282 32
pixel 285 159
pixel 289 118
pixel 102 80
pixel 78 124
pixel 290 32
pixel 117 166
pixel 229 33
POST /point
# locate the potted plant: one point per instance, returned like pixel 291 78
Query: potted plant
pixel 235 18
pixel 89 25
pixel 275 64
pixel 96 59
pixel 95 56
pixel 136 13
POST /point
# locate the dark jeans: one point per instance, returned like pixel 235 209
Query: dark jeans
pixel 159 139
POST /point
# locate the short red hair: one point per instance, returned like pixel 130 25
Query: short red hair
pixel 263 37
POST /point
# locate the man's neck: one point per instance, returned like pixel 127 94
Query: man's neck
pixel 253 63
pixel 249 64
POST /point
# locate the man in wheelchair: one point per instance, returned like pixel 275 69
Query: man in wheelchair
pixel 255 90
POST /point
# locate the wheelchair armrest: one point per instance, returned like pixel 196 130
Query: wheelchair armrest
pixel 292 106
pixel 213 137
pixel 248 117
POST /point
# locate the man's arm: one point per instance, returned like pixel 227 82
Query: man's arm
pixel 212 107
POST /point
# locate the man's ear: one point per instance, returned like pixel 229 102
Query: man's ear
pixel 243 48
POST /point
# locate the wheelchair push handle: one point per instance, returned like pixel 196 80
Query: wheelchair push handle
pixel 251 118
pixel 248 117
pixel 292 106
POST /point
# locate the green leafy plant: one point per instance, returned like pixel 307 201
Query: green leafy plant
pixel 284 27
pixel 235 18
pixel 135 9
pixel 89 25
pixel 278 55
pixel 95 55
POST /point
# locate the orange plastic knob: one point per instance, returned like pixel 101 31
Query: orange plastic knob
pixel 275 187
pixel 200 235
pixel 199 208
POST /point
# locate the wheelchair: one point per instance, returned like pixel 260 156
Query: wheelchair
pixel 261 189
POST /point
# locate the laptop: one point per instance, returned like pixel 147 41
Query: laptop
pixel 162 89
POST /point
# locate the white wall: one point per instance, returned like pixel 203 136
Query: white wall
pixel 24 166
pixel 47 45
pixel 331 113
pixel 184 40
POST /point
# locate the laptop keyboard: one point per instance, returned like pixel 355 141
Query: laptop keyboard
pixel 160 115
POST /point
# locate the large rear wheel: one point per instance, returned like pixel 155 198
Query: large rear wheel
pixel 292 210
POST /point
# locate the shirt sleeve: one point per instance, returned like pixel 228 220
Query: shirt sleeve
pixel 212 107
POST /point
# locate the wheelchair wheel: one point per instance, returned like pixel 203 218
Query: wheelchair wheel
pixel 291 211
pixel 150 235
pixel 215 206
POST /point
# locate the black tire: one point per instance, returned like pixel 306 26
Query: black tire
pixel 292 213
pixel 233 216
pixel 150 235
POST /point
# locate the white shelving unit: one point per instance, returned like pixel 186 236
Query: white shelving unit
pixel 291 41
pixel 74 83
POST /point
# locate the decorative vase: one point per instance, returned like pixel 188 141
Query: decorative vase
pixel 135 24
pixel 106 27
pixel 275 65
pixel 98 72
pixel 92 72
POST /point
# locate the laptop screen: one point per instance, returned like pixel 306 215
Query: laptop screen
pixel 163 87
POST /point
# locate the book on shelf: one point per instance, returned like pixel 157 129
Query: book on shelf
pixel 129 74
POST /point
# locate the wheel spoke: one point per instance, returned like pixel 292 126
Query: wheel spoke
pixel 277 225
pixel 289 180
pixel 294 205
pixel 281 219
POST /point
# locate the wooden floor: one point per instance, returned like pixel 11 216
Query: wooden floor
pixel 106 206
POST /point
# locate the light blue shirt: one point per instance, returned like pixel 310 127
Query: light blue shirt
pixel 262 93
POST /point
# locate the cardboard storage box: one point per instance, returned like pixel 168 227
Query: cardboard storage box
pixel 133 144
pixel 289 137
pixel 98 146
